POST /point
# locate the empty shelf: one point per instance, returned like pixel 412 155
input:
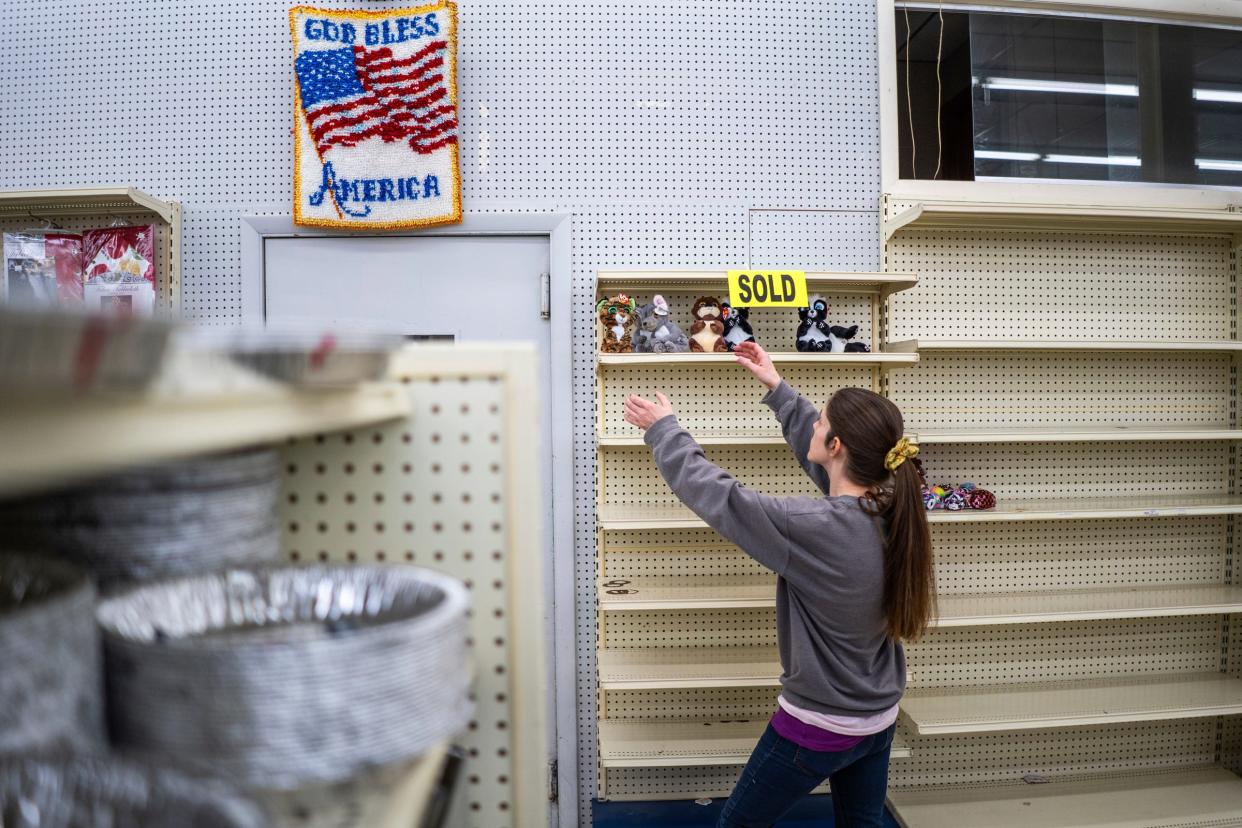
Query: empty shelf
pixel 652 744
pixel 1182 798
pixel 614 517
pixel 1086 605
pixel 1015 434
pixel 671 668
pixel 678 592
pixel 1071 218
pixel 1075 434
pixel 968 610
pixel 734 439
pixel 960 710
pixel 1097 345
pixel 609 281
pixel 778 358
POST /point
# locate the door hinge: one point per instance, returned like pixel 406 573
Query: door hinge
pixel 545 302
pixel 553 784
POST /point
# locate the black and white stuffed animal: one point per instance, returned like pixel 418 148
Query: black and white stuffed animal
pixel 737 325
pixel 839 337
pixel 814 333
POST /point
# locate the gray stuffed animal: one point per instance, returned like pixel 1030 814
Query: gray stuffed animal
pixel 657 333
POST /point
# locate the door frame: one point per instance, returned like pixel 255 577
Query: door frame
pixel 557 227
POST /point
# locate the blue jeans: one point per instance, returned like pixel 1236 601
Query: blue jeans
pixel 780 773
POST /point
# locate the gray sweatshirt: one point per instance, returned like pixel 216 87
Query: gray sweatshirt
pixel 829 556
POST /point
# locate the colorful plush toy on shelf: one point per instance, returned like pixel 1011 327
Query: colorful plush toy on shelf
pixel 814 334
pixel 736 325
pixel 965 496
pixel 707 331
pixel 657 332
pixel 616 314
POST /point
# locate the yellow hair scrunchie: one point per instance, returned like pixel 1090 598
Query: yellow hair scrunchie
pixel 900 453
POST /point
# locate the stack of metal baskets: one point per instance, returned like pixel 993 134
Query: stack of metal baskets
pixel 182 518
pixel 51 678
pixel 284 678
pixel 95 792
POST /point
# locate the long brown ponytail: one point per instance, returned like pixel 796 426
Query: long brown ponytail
pixel 869 426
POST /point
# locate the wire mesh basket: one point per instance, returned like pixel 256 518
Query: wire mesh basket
pixel 181 518
pixel 287 676
pixel 51 682
pixel 102 792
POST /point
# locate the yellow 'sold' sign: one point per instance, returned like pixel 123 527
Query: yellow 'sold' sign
pixel 771 288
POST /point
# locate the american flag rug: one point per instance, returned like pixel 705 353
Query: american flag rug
pixel 375 117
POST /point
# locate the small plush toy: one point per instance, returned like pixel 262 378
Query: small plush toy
pixel 657 333
pixel 839 336
pixel 980 499
pixel 736 325
pixel 813 331
pixel 955 501
pixel 707 331
pixel 616 314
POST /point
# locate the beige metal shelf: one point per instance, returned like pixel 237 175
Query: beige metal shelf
pixel 1064 345
pixel 199 404
pixel 1177 798
pixel 1070 434
pixel 975 216
pixel 679 593
pixel 663 669
pixel 822 282
pixel 875 358
pixel 1002 708
pixel 1095 434
pixel 665 744
pixel 73 201
pixel 84 207
pixel 614 517
pixel 976 610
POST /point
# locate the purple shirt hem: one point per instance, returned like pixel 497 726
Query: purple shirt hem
pixel 809 736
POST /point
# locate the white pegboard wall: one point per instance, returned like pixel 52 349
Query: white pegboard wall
pixel 1031 285
pixel 718 399
pixel 1096 554
pixel 432 490
pixel 1045 390
pixel 1079 470
pixel 1002 757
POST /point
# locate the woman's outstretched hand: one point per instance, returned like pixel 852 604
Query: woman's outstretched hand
pixel 757 361
pixel 643 413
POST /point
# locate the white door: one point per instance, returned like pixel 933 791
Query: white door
pixel 464 288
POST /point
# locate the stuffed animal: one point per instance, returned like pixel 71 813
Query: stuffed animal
pixel 813 331
pixel 616 314
pixel 707 331
pixel 839 337
pixel 736 325
pixel 657 333
pixel 980 499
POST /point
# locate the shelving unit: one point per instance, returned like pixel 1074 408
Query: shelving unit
pixel 1006 708
pixel 199 403
pixel 1015 509
pixel 81 208
pixel 724 682
pixel 1067 432
pixel 1149 346
pixel 1208 796
pixel 1076 218
pixel 675 593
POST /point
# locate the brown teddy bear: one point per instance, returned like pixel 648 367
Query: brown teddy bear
pixel 616 314
pixel 706 332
